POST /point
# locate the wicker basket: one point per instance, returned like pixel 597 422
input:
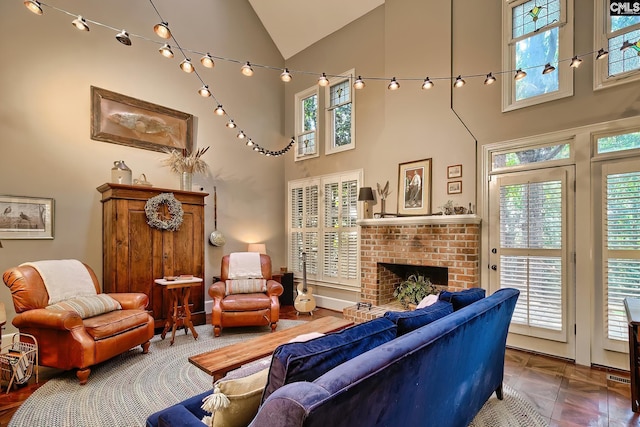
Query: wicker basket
pixel 18 360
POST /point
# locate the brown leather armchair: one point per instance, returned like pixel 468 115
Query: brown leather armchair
pixel 65 340
pixel 251 309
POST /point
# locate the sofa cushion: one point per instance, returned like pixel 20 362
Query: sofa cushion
pixel 244 286
pixel 307 361
pixel 114 323
pixel 87 306
pixel 235 402
pixel 407 321
pixel 463 298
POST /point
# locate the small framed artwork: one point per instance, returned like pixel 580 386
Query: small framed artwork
pixel 454 171
pixel 414 188
pixel 26 218
pixel 454 187
pixel 123 120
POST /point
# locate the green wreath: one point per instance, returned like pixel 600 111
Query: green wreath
pixel 151 208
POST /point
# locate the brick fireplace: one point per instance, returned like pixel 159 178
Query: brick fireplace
pixel 450 243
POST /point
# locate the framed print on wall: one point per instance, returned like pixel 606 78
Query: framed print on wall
pixel 26 217
pixel 123 120
pixel 454 187
pixel 414 188
pixel 454 171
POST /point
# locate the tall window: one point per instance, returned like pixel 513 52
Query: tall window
pixel 306 117
pixel 339 116
pixel 611 33
pixel 323 213
pixel 536 33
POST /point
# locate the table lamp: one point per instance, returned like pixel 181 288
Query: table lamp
pixel 366 195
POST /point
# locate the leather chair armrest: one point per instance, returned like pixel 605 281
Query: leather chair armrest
pixel 41 318
pixel 274 288
pixel 131 300
pixel 217 290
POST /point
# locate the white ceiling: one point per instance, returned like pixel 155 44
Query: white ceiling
pixel 296 24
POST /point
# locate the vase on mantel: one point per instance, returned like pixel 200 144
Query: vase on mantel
pixel 186 180
pixel 382 205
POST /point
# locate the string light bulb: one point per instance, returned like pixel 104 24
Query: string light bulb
pixel 33 6
pixel 459 82
pixel 520 74
pixel 123 37
pixel 186 66
pixel 162 30
pixel 241 135
pixel 602 54
pixel 219 111
pixel 231 124
pixel 249 142
pixel 548 68
pixel 207 61
pixel 247 70
pixel 625 45
pixel 575 62
pixel 393 84
pixel 427 84
pixel 166 51
pixel 204 91
pixel 490 79
pixel 286 76
pixel 80 23
pixel 359 83
pixel 323 80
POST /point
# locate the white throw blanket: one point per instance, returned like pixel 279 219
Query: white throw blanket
pixel 64 278
pixel 245 265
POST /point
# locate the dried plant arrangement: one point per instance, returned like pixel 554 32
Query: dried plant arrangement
pixel 182 161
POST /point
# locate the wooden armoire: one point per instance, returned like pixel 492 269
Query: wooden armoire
pixel 135 254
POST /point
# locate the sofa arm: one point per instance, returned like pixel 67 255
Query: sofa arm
pixel 217 290
pixel 131 300
pixel 41 318
pixel 274 288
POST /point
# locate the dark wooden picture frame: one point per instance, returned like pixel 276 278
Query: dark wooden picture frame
pixel 123 120
pixel 26 217
pixel 414 188
pixel 454 187
pixel 454 171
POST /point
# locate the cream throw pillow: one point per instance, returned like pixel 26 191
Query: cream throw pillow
pixel 87 306
pixel 235 402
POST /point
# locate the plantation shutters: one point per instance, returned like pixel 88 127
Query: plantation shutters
pixel 621 241
pixel 531 252
pixel 303 235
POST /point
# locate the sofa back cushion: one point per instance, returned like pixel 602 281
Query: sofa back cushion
pixel 463 298
pixel 407 321
pixel 306 361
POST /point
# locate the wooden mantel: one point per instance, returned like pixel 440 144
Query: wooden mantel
pixel 421 220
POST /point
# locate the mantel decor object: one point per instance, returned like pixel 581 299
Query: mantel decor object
pixel 120 173
pixel 414 187
pixel 186 163
pixel 366 195
pixel 383 192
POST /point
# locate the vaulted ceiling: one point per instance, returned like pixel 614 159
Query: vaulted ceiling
pixel 297 24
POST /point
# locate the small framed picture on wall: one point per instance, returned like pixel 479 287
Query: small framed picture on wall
pixel 454 187
pixel 454 171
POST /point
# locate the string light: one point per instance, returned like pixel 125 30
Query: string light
pixel 247 70
pixel 575 62
pixel 249 142
pixel 204 91
pixel 393 84
pixel 80 24
pixel 459 82
pixel 601 54
pixel 490 79
pixel 286 76
pixel 123 37
pixel 241 135
pixel 323 80
pixel 186 66
pixel 427 84
pixel 359 83
pixel 548 69
pixel 162 30
pixel 520 74
pixel 231 124
pixel 34 6
pixel 207 61
pixel 625 45
pixel 166 51
pixel 219 111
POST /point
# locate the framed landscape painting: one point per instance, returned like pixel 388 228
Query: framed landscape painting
pixel 414 188
pixel 26 218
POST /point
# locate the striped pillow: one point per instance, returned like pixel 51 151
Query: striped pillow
pixel 245 286
pixel 87 306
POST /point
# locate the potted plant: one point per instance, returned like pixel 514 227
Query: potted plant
pixel 412 290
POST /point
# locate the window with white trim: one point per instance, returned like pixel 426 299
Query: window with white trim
pixel 322 223
pixel 622 65
pixel 306 124
pixel 537 34
pixel 340 120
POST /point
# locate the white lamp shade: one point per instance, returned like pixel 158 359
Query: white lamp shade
pixel 261 248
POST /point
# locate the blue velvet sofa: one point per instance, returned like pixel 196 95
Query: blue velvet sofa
pixel 432 367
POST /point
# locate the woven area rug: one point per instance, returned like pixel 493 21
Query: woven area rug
pixel 125 390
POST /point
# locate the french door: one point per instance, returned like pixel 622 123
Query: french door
pixel 531 242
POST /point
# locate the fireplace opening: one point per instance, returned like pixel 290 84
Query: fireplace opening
pixel 391 275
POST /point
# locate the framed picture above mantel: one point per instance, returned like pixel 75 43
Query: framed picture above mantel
pixel 414 187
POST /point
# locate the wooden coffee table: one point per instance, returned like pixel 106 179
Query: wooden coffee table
pixel 218 362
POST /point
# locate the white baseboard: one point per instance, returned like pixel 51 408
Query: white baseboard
pixel 332 303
